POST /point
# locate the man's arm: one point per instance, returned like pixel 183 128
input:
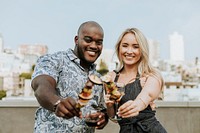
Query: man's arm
pixel 45 92
pixel 44 87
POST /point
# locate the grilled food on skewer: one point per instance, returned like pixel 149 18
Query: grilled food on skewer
pixel 95 79
pixel 86 93
pixel 111 88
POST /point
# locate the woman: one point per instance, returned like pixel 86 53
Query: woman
pixel 143 84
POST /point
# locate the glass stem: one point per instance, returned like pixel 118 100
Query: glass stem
pixel 116 109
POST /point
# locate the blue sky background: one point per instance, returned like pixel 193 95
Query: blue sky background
pixel 55 22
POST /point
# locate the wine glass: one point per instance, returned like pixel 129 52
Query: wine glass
pixel 116 91
pixel 91 116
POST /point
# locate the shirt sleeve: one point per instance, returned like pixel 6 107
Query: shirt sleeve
pixel 47 65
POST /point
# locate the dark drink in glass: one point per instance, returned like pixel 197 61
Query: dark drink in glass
pixel 92 117
pixel 91 123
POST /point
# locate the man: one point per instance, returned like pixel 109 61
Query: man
pixel 60 77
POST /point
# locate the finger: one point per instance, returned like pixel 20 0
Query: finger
pixel 61 110
pixel 59 114
pixel 101 121
pixel 70 104
pixel 129 112
pixel 70 110
pixel 107 96
pixel 73 104
pixel 126 106
pixel 66 112
pixel 109 101
pixel 130 115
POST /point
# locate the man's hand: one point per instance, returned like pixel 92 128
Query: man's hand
pixel 67 108
pixel 103 120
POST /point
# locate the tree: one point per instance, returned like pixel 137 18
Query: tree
pixel 2 94
pixel 103 68
pixel 27 75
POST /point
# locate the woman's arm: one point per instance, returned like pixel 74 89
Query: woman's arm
pixel 149 93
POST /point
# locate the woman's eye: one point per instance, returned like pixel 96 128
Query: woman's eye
pixel 124 46
pixel 136 46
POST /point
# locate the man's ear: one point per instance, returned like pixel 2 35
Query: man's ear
pixel 76 39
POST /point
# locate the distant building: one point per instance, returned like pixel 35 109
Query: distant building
pixel 7 62
pixel 30 53
pixel 10 82
pixel 1 83
pixel 154 51
pixel 176 47
pixel 1 44
pixel 13 63
pixel 37 49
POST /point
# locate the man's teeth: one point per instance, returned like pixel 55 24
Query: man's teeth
pixel 91 52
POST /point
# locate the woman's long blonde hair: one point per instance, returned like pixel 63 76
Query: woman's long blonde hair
pixel 144 67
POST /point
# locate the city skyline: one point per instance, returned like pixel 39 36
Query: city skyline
pixel 176 41
pixel 55 23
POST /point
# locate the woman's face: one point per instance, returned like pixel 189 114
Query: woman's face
pixel 129 50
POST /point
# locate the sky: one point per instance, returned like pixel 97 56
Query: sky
pixel 55 22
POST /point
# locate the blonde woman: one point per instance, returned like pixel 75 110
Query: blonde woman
pixel 143 84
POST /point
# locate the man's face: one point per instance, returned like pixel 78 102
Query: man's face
pixel 89 44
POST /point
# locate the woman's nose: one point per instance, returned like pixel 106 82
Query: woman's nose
pixel 129 50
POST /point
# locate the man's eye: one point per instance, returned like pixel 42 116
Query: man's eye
pixel 88 40
pixel 99 42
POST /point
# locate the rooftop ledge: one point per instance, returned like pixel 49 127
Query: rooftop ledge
pixel 19 102
pixel 32 102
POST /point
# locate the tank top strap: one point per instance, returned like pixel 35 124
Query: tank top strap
pixel 117 76
pixel 138 76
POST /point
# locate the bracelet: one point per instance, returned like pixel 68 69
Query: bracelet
pixel 143 102
pixel 55 105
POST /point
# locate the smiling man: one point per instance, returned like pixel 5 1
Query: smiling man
pixel 58 79
pixel 89 43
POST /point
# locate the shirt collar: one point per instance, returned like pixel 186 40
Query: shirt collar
pixel 75 59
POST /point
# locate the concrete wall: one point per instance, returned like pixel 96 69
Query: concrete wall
pixel 176 117
pixel 180 120
pixel 17 120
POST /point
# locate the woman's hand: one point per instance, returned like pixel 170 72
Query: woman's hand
pixel 108 102
pixel 110 105
pixel 130 108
